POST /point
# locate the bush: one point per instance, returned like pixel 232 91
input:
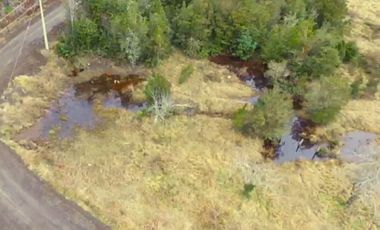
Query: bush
pixel 356 88
pixel 157 92
pixel 348 51
pixel 244 46
pixel 330 11
pixel 186 74
pixel 65 49
pixel 157 86
pixel 325 98
pixel 8 9
pixel 269 118
pixel 85 35
pixel 321 62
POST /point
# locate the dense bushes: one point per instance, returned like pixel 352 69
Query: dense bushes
pixel 302 31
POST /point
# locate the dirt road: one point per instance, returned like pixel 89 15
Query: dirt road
pixel 25 201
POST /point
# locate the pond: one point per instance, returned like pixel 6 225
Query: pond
pixel 75 107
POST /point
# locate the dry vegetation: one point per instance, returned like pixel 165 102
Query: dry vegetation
pixel 190 172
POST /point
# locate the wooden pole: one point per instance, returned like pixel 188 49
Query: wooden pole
pixel 44 26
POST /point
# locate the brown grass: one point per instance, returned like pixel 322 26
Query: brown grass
pixel 211 88
pixel 189 172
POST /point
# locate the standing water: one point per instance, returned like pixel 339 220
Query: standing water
pixel 75 108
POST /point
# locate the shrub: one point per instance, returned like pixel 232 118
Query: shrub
pixel 186 74
pixel 348 51
pixel 8 9
pixel 356 88
pixel 157 92
pixel 65 49
pixel 85 35
pixel 320 62
pixel 330 11
pixel 325 98
pixel 270 117
pixel 157 85
pixel 244 46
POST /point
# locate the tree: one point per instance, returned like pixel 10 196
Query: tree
pixel 131 47
pixel 325 98
pixel 158 44
pixel 85 35
pixel 192 28
pixel 269 118
pixel 130 30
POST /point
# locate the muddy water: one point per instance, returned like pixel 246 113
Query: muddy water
pixel 63 116
pixel 75 108
pixel 295 145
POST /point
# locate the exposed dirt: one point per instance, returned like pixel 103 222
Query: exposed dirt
pixel 252 69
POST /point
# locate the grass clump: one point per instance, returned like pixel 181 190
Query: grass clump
pixel 186 73
pixel 157 92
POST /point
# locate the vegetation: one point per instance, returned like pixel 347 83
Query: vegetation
pixel 158 95
pixel 325 98
pixel 135 30
pixel 186 74
pixel 270 117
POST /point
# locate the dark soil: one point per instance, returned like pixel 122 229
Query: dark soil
pixel 252 69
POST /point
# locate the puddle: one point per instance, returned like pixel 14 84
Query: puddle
pixel 358 146
pixel 69 112
pixel 295 145
pixel 75 108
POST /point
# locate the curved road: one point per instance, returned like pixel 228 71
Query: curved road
pixel 26 202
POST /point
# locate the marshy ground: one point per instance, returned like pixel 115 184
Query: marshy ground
pixel 194 171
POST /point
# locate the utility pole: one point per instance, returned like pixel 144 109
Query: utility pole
pixel 43 26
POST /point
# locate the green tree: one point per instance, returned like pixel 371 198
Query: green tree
pixel 131 47
pixel 192 28
pixel 325 98
pixel 158 37
pixel 269 118
pixel 85 35
pixel 130 30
